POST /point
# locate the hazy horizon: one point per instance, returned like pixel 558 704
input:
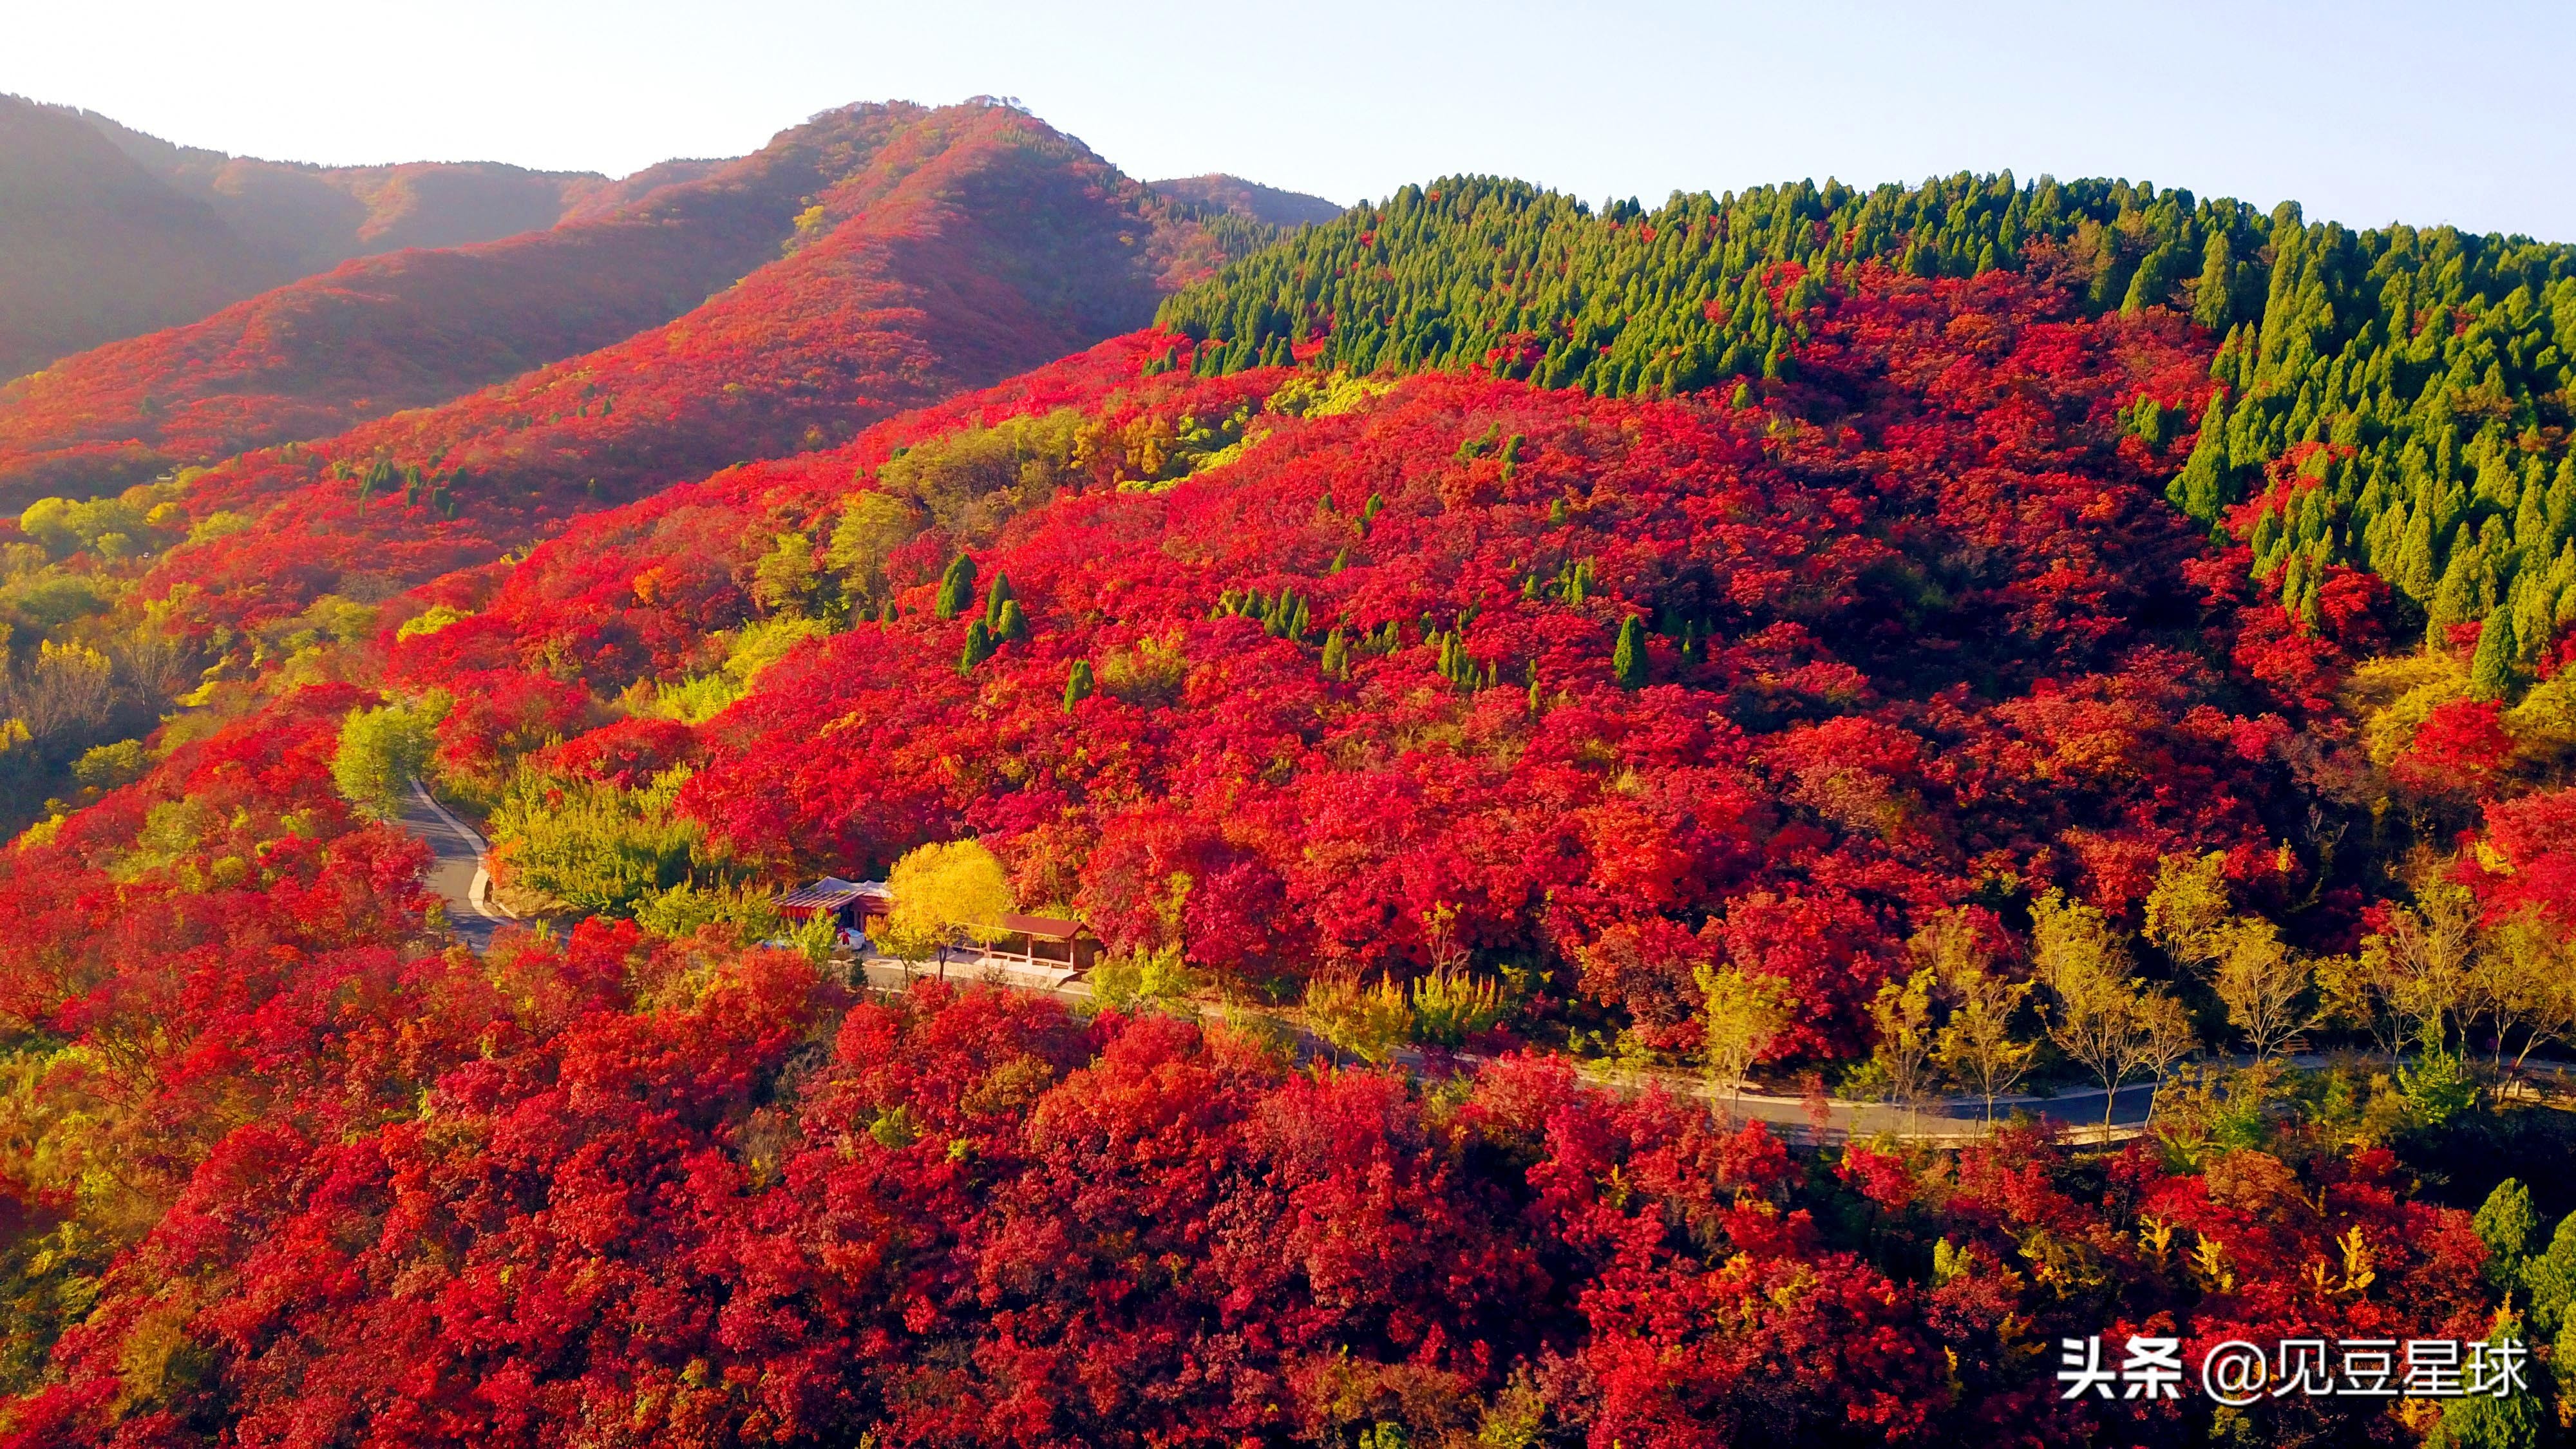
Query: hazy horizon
pixel 2265 102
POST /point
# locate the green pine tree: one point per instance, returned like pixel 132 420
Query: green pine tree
pixel 979 647
pixel 2549 1280
pixel 2415 571
pixel 2506 1224
pixel 994 598
pixel 1013 624
pixel 956 588
pixel 1337 655
pixel 1077 684
pixel 2149 284
pixel 2491 669
pixel 2149 421
pixel 2491 1421
pixel 1628 658
pixel 2213 302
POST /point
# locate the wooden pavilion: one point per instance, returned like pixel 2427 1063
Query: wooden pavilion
pixel 850 903
pixel 1045 942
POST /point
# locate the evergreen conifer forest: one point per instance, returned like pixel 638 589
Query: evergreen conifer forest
pixel 1728 824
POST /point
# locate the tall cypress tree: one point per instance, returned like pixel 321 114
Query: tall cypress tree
pixel 2213 303
pixel 956 588
pixel 2149 284
pixel 2491 669
pixel 979 647
pixel 2205 486
pixel 1628 658
pixel 379 478
pixel 1077 684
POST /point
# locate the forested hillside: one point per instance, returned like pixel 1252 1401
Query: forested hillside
pixel 93 246
pixel 977 244
pixel 957 247
pixel 1565 670
pixel 2418 379
pixel 1284 681
pixel 1862 643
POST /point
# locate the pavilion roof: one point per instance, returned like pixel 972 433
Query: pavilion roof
pixel 831 893
pixel 1053 928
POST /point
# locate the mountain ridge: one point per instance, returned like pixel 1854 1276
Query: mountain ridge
pixel 377 335
pixel 978 243
pixel 1261 203
pixel 108 276
pixel 93 246
pixel 418 327
pixel 312 217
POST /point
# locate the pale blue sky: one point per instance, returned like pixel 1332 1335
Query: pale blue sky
pixel 2363 112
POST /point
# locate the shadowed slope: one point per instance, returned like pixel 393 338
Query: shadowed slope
pixel 93 246
pixel 304 218
pixel 417 327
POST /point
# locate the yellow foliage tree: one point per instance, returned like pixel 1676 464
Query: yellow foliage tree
pixel 948 893
pixel 1745 1015
pixel 2105 1018
pixel 872 526
pixel 1370 1021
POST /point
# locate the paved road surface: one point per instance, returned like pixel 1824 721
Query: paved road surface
pixel 457 874
pixel 456 871
pixel 1941 1120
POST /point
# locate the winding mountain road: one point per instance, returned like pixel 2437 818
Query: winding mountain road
pixel 463 882
pixel 456 870
pixel 1939 1121
pixel 459 875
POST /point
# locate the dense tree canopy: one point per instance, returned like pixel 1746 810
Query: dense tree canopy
pixel 2419 378
pixel 1819 636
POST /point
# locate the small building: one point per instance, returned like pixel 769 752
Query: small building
pixel 850 903
pixel 1045 942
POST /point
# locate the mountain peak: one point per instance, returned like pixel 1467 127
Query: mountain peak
pixel 1267 204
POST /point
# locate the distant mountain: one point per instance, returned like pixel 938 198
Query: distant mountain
pixel 1250 198
pixel 304 218
pixel 107 233
pixel 94 246
pixel 607 200
pixel 417 327
pixel 957 247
